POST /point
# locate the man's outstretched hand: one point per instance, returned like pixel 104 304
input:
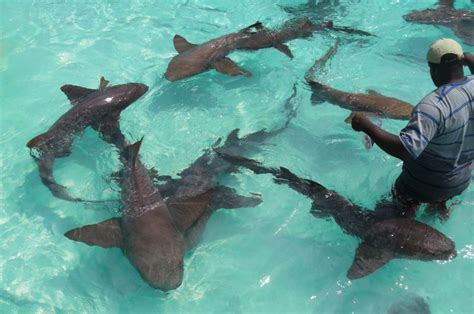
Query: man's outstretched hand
pixel 359 121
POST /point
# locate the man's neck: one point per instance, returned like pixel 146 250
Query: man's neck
pixel 456 79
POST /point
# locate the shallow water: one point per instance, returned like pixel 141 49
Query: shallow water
pixel 272 258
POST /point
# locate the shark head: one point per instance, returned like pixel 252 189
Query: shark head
pixel 119 97
pixel 111 98
pixel 158 260
pixel 399 238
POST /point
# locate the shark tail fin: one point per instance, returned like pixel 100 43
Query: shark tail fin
pixel 367 260
pixel 103 83
pixel 131 152
pixel 106 234
pixel 76 93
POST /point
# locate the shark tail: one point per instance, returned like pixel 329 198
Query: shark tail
pixel 320 63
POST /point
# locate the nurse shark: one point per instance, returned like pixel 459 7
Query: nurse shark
pixel 98 108
pixel 372 103
pixel 461 22
pixel 161 221
pixel 194 59
pixel 317 9
pixel 383 236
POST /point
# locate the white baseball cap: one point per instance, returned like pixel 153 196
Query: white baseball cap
pixel 441 47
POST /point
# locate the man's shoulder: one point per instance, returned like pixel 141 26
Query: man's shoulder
pixel 430 102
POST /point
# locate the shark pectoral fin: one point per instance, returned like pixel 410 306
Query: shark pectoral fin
pixel 194 233
pixel 186 212
pixel 181 44
pixel 285 49
pixel 103 83
pixel 228 67
pixel 316 99
pixel 106 234
pixel 367 260
pixel 228 198
pixel 76 93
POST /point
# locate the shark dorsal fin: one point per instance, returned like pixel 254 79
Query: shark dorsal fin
pixel 131 152
pixel 103 83
pixel 446 3
pixel 257 25
pixel 372 92
pixel 233 136
pixel 106 234
pixel 76 93
pixel 367 260
pixel 181 44
pixel 306 22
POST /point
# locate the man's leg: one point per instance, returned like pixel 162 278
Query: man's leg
pixel 405 204
pixel 397 204
pixel 441 208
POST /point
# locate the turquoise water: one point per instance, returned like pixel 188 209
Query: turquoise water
pixel 272 258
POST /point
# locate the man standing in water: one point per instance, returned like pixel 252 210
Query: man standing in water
pixel 437 145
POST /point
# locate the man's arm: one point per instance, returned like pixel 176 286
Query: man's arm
pixel 388 142
pixel 469 61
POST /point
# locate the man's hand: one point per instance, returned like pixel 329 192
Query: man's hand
pixel 359 121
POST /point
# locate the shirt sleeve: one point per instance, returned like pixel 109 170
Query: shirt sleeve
pixel 421 129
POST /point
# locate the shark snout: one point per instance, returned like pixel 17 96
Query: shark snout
pixel 142 88
pixel 165 278
pixel 139 89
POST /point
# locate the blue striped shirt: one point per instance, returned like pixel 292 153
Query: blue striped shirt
pixel 440 139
